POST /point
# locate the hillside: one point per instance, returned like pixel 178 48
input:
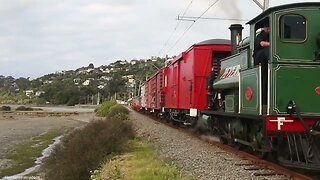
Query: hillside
pixel 85 85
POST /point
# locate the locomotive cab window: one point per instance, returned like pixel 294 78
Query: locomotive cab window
pixel 293 28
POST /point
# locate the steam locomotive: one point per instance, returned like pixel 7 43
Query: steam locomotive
pixel 272 108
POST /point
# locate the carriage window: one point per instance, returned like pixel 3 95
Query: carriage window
pixel 293 27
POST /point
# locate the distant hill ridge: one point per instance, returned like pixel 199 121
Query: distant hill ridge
pixel 85 85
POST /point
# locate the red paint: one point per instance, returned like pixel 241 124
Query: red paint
pixel 154 91
pixel 135 104
pixel 287 126
pixel 249 93
pixel 317 90
pixel 186 76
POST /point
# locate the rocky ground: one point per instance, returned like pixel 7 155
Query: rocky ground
pixel 193 156
pixel 17 128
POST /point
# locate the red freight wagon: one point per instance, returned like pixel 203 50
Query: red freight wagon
pixel 148 93
pixel 185 78
pixel 135 104
pixel 154 93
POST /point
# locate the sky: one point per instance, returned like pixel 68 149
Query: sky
pixel 39 37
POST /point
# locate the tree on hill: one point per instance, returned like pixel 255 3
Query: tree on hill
pixel 115 85
pixel 91 66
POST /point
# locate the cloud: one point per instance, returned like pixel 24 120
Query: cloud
pixel 38 37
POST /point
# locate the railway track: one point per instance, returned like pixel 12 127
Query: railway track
pixel 258 163
pixel 260 168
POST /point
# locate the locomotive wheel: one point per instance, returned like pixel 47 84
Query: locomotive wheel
pixel 223 140
pixel 167 118
pixel 260 154
pixel 173 122
pixel 236 145
pixel 222 134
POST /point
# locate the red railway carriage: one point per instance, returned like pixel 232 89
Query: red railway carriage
pixel 153 92
pixel 185 78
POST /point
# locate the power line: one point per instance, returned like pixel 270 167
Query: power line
pixel 191 25
pixel 187 8
pixel 175 28
pixel 192 18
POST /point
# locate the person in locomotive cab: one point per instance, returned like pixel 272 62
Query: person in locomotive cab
pixel 261 46
pixel 261 56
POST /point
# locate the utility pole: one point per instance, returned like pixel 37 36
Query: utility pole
pixel 265 5
pixel 92 99
pixel 98 99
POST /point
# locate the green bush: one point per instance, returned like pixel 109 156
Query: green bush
pixel 5 108
pixel 23 108
pixel 86 148
pixel 104 109
pixel 118 111
pixel 38 100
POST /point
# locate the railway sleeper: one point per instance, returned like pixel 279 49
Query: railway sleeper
pixel 252 145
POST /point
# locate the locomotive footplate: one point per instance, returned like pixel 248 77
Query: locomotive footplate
pixel 299 150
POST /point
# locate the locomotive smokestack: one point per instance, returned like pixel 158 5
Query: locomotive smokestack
pixel 236 36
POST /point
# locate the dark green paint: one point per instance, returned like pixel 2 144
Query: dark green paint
pixel 296 83
pixel 250 78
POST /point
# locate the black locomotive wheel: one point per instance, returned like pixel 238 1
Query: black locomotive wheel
pixel 260 154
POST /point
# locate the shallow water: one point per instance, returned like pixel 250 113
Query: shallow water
pixel 45 153
pixel 56 108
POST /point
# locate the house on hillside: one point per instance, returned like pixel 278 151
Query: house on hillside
pixel 101 86
pixel 106 70
pixel 106 78
pixel 29 93
pixel 86 82
pixel 77 81
pixel 123 62
pixel 47 82
pixel 133 62
pixel 38 93
pixel 127 77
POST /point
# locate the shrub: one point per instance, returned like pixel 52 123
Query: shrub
pixel 23 108
pixel 85 148
pixel 118 111
pixel 5 108
pixel 39 100
pixel 104 109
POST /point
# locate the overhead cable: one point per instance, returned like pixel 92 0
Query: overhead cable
pixel 175 28
pixel 191 26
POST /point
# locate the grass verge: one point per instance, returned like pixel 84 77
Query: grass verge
pixel 139 163
pixel 25 154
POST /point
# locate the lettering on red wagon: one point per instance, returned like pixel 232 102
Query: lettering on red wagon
pixel 232 71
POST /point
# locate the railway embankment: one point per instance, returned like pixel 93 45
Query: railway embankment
pixel 195 157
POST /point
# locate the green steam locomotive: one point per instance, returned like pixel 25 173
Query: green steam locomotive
pixel 271 107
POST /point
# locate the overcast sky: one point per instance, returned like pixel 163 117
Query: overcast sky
pixel 39 37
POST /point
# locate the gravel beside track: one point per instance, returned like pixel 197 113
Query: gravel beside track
pixel 195 157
